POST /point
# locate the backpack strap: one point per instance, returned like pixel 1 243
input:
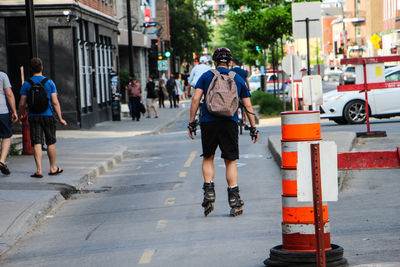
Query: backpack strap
pixel 30 82
pixel 215 72
pixel 232 74
pixel 44 81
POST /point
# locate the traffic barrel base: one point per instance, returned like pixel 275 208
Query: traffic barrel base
pixel 279 258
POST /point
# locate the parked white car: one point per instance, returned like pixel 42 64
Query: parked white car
pixel 349 107
pixel 255 83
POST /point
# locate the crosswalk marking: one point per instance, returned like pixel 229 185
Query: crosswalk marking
pixel 190 159
pixel 147 255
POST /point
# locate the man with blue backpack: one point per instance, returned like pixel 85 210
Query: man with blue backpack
pixel 222 89
pixel 40 95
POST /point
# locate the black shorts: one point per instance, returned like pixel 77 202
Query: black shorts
pixel 42 126
pixel 223 134
pixel 5 126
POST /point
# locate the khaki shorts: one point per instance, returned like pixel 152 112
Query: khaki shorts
pixel 151 102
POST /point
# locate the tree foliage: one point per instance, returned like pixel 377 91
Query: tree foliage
pixel 188 27
pixel 260 23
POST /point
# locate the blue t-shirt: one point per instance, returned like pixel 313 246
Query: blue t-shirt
pixel 240 71
pixel 50 88
pixel 204 82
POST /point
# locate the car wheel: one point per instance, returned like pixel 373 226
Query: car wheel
pixel 340 121
pixel 354 112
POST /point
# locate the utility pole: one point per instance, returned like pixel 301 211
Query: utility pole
pixel 31 28
pixel 129 21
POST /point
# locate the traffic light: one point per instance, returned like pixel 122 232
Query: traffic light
pixel 160 56
pixel 167 49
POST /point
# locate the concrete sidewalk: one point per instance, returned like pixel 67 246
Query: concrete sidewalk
pixel 83 154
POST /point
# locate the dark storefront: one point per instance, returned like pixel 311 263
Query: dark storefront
pixel 78 46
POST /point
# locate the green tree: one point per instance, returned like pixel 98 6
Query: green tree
pixel 188 27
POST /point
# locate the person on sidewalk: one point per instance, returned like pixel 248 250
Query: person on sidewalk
pixel 220 131
pixel 42 125
pixel 151 99
pixel 171 88
pixel 162 93
pixel 6 95
pixel 134 90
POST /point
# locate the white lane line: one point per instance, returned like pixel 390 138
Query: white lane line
pixel 170 201
pixel 161 224
pixel 182 174
pixel 147 255
pixel 190 159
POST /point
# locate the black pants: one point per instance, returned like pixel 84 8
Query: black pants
pixel 161 98
pixel 135 103
pixel 172 98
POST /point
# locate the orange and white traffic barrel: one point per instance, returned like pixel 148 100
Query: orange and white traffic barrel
pixel 301 126
pixel 299 243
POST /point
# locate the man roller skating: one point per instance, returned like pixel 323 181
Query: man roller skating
pixel 219 126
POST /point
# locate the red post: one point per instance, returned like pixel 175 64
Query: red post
pixel 27 148
pixel 317 200
pixel 366 96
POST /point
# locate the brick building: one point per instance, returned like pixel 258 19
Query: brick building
pixel 77 41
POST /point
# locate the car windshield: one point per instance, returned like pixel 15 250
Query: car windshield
pixel 254 79
pixel 350 69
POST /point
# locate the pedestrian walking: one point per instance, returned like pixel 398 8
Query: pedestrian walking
pixel 220 128
pixel 162 93
pixel 134 90
pixel 178 89
pixel 6 119
pixel 151 97
pixel 42 124
pixel 171 87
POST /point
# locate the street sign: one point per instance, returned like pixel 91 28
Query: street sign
pixel 301 11
pixel 162 65
pixel 312 90
pixel 287 64
pixel 329 171
pixel 375 39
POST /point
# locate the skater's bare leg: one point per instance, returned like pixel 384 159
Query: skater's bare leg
pixel 231 172
pixel 208 169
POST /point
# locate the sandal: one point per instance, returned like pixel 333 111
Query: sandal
pixel 58 171
pixel 4 169
pixel 35 175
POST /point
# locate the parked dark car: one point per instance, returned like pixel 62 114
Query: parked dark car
pixel 348 76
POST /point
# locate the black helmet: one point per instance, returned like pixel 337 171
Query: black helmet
pixel 222 54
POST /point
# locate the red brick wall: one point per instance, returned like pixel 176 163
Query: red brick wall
pixel 104 6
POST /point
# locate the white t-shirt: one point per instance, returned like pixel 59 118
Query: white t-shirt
pixel 4 83
pixel 196 73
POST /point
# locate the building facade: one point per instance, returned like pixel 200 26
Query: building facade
pixel 77 41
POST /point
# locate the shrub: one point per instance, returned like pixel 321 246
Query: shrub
pixel 268 105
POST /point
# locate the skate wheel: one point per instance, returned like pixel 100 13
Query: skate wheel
pixel 208 208
pixel 236 211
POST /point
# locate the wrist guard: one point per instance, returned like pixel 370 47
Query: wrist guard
pixel 253 132
pixel 193 126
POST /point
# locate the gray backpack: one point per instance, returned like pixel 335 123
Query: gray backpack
pixel 222 98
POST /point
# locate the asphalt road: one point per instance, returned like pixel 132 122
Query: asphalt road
pixel 146 211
